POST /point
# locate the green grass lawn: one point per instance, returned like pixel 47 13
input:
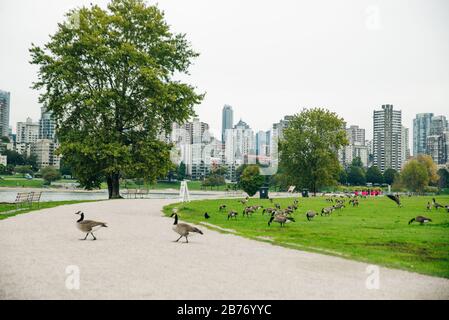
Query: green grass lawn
pixel 376 232
pixel 20 182
pixel 42 205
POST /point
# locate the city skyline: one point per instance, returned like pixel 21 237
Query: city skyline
pixel 338 60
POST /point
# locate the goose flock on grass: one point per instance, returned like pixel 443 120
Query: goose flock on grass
pixel 276 214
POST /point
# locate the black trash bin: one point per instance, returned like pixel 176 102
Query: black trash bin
pixel 263 192
pixel 305 193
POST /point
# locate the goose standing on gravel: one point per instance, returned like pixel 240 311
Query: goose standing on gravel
pixel 88 226
pixel 183 229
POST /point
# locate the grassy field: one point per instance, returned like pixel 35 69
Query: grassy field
pixel 376 232
pixel 42 205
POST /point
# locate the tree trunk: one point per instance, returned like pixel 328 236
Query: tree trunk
pixel 114 186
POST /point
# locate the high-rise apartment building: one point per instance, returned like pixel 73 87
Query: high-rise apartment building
pixel 421 130
pixel 387 138
pixel 240 147
pixel 27 132
pixel 356 147
pixel 405 144
pixel 44 149
pixel 5 100
pixel 429 136
pixel 47 125
pixel 356 135
pixel 227 120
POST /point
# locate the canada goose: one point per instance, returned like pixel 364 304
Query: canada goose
pixel 277 205
pixel 436 204
pixel 244 201
pixel 420 219
pixel 281 219
pixel 183 229
pixel 429 206
pixel 222 207
pixel 248 211
pixel 310 215
pixel 327 211
pixel 271 200
pixel 268 210
pixel 88 226
pixel 232 214
pixel 206 215
pixel 395 198
pixel 296 202
pixel 339 206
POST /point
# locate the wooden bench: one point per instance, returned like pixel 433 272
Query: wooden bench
pixel 35 197
pixel 21 199
pixel 136 193
pixel 27 198
pixel 142 193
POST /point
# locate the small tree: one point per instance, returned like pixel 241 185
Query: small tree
pixel 181 172
pixel 373 175
pixel 414 176
pixel 389 176
pixel 50 174
pixel 430 166
pixel 251 180
pixel 24 170
pixel 239 171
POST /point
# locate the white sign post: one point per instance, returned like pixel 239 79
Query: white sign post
pixel 184 192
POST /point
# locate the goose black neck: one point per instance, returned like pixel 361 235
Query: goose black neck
pixel 82 217
pixel 176 219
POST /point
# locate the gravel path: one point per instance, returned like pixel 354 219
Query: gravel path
pixel 136 258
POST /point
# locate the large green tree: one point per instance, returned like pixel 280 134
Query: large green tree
pixel 389 176
pixel 109 80
pixel 356 176
pixel 443 181
pixel 374 175
pixel 308 151
pixel 414 176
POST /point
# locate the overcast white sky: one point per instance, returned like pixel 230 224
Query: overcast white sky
pixel 272 58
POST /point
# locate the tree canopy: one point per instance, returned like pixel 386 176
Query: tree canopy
pixel 414 176
pixel 251 180
pixel 374 175
pixel 389 176
pixel 109 81
pixel 308 151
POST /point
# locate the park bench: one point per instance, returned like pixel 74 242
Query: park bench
pixel 35 197
pixel 22 198
pixel 27 198
pixel 143 193
pixel 130 193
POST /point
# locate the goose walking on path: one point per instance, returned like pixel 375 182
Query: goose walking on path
pixel 88 226
pixel 183 229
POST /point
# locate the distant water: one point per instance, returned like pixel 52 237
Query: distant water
pixel 10 195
